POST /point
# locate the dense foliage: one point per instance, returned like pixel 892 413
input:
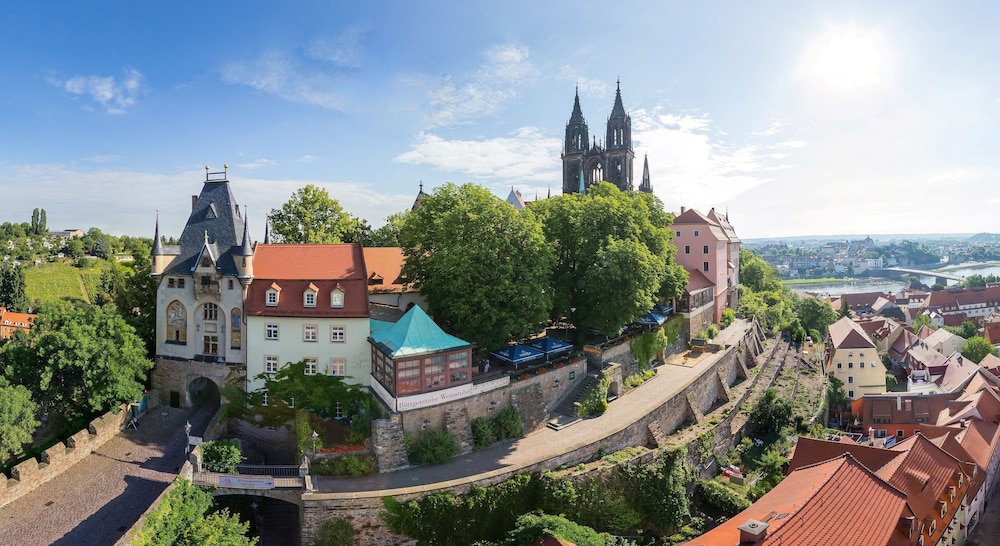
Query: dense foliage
pixel 484 267
pixel 12 288
pixel 345 465
pixel 221 456
pixel 507 424
pixel 17 418
pixel 721 497
pixel 180 520
pixel 976 348
pixel 77 360
pixel 433 446
pixel 770 413
pixel 338 532
pixel 596 401
pixel 614 255
pixel 646 346
pixel 311 216
pixel 531 527
pixel 318 393
pixel 133 293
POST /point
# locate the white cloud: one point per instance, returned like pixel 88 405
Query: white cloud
pixel 346 50
pixel 278 75
pixel 791 144
pixel 774 128
pixel 525 155
pixel 500 80
pixel 103 158
pixel 587 86
pixel 113 95
pixel 123 201
pixel 258 163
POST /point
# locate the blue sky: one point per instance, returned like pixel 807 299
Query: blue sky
pixel 799 118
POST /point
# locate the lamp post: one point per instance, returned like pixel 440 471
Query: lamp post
pixel 187 432
pixel 314 436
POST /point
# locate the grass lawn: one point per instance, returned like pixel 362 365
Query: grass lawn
pixel 61 280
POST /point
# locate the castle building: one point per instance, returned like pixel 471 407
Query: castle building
pixel 586 160
pixel 201 287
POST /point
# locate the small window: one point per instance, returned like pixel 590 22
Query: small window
pixel 678 233
pixel 687 249
pixel 265 399
pixel 211 311
pixel 840 365
pixel 338 367
pixel 310 333
pixel 850 379
pixel 704 249
pixel 272 298
pixel 270 364
pixel 309 299
pixel 271 331
pixel 310 366
pixel 337 298
pixel 338 410
pixel 704 266
pixel 850 394
pixel 337 334
pixel 696 233
pixel 230 283
pixel 899 434
pixel 170 282
pixel 180 283
pixel 206 280
pixel 850 364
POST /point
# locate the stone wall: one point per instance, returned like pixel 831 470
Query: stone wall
pixel 28 475
pixel 186 473
pixel 176 375
pixel 389 444
pixel 362 513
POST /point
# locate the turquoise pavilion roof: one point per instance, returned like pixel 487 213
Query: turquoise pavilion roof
pixel 413 335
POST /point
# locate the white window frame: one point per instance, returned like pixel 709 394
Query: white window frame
pixel 271 364
pixel 310 333
pixel 309 298
pixel 271 331
pixel 272 298
pixel 311 364
pixel 336 329
pixel 337 297
pixel 338 367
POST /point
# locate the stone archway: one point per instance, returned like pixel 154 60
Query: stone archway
pixel 274 516
pixel 202 391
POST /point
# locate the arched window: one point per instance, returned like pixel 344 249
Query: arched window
pixel 235 329
pixel 176 323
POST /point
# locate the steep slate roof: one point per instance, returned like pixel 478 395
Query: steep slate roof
pixel 216 213
pixel 864 300
pixel 727 228
pixel 414 335
pixel 385 264
pixel 515 199
pixel 846 334
pixel 838 501
pixel 294 268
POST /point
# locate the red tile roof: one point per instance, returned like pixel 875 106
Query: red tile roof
pixel 384 266
pixel 11 322
pixel 307 262
pixel 846 334
pixel 838 501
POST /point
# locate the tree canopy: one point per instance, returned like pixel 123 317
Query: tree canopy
pixel 77 360
pixel 614 255
pixel 12 288
pixel 181 519
pixel 483 266
pixel 976 348
pixel 17 418
pixel 312 216
pixel 133 293
pixel 388 234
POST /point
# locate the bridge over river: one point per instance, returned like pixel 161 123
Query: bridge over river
pixel 923 273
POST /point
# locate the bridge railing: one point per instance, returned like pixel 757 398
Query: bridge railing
pixel 246 481
pixel 269 470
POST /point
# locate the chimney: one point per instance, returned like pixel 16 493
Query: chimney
pixel 753 531
pixel 682 210
pixel 194 201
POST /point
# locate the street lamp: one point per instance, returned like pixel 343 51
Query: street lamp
pixel 187 432
pixel 314 436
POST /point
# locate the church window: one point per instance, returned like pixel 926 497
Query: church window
pixel 210 312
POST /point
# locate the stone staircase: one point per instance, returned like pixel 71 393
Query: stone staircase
pixel 565 412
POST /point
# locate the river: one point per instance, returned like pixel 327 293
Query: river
pixel 892 286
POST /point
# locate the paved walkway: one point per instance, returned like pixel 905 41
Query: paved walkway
pixel 100 498
pixel 542 444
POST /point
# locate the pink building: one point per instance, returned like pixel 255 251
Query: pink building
pixel 707 246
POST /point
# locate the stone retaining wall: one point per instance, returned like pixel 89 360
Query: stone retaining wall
pixel 30 474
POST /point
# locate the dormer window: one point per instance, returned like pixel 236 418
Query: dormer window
pixel 271 297
pixel 337 297
pixel 309 296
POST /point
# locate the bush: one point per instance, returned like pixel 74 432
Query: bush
pixel 221 456
pixel 508 424
pixel 303 432
pixel 435 445
pixel 483 433
pixel 596 401
pixel 338 532
pixel 728 316
pixel 348 465
pixel 720 497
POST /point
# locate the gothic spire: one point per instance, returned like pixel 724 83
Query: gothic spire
pixel 267 231
pixel 245 248
pixel 618 111
pixel 645 185
pixel 577 116
pixel 157 245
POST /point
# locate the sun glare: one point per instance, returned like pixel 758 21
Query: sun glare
pixel 848 60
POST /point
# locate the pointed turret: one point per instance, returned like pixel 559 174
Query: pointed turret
pixel 618 110
pixel 267 231
pixel 420 197
pixel 246 249
pixel 157 245
pixel 618 145
pixel 577 115
pixel 575 145
pixel 645 185
pixel 157 263
pixel 243 256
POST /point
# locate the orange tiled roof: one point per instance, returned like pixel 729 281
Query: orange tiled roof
pixel 11 322
pixel 384 266
pixel 307 262
pixel 846 334
pixel 812 504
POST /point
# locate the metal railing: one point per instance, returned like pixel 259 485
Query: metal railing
pixel 212 479
pixel 269 470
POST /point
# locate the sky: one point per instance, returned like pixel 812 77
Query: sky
pixel 796 118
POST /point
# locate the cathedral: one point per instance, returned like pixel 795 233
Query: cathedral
pixel 586 161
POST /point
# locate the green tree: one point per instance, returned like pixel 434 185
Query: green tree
pixel 34 222
pixel 133 293
pixel 180 520
pixel 923 319
pixel 756 273
pixel 217 529
pixel 483 266
pixel 17 418
pixel 966 330
pixel 532 527
pixel 845 308
pixel 318 393
pixel 645 347
pixel 974 281
pixel 815 314
pixel 222 456
pixel 312 216
pixel 836 396
pixel 613 253
pixel 74 248
pixel 388 235
pixel 770 414
pixel 976 348
pixel 12 288
pixel 78 360
pixel 43 223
